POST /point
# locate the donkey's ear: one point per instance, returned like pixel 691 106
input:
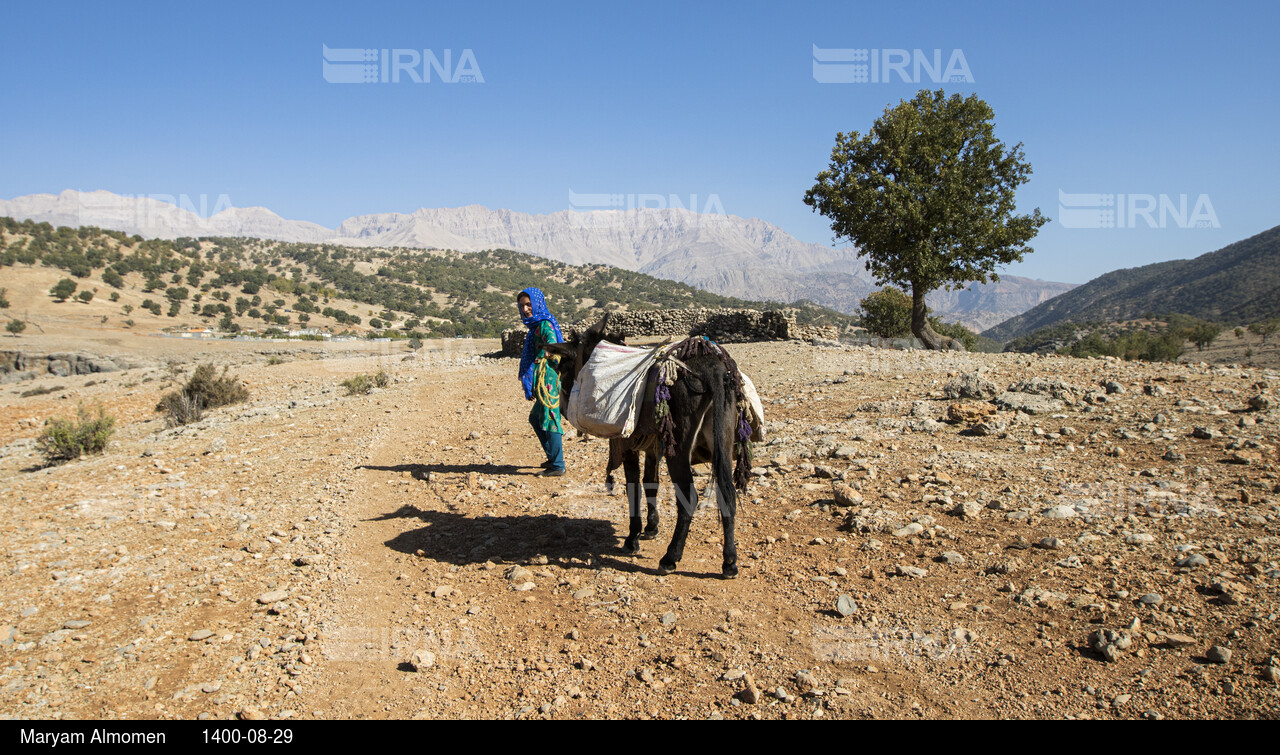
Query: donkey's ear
pixel 601 327
pixel 562 350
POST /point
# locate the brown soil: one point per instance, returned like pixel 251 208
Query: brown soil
pixel 388 524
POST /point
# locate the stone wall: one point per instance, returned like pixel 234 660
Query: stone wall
pixel 720 325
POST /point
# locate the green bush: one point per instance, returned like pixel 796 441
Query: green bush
pixel 66 440
pixel 206 389
pixel 381 378
pixel 16 326
pixel 887 313
pixel 358 385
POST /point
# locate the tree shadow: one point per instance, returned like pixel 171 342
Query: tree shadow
pixel 565 541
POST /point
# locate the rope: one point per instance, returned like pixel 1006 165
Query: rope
pixel 540 389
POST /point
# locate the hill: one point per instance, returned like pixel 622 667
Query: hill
pixel 235 284
pixel 1237 284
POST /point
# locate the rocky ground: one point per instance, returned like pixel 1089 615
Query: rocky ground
pixel 926 535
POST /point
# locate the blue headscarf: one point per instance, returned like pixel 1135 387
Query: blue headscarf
pixel 540 313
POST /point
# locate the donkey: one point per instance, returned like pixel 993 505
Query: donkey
pixel 704 415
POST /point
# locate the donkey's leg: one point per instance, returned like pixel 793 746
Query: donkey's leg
pixel 651 463
pixel 631 466
pixel 725 429
pixel 686 503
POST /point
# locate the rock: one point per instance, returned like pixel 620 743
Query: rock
pixel 915 528
pixel 275 596
pixel 200 635
pixel 1172 455
pixel 1271 674
pixel 1151 599
pixel 1050 543
pixel 251 714
pixel 519 574
pixel 1244 457
pixel 805 681
pixel 584 593
pixel 967 510
pixel 1204 433
pixel 443 591
pixel 845 606
pixel 421 660
pixel 961 636
pixel 972 386
pixel 1218 654
pixel 750 692
pixel 952 557
pixel 845 495
pixel 1261 403
pixel 1028 403
pixel 76 624
pixel 1139 538
pixel 1113 388
pixel 910 571
pixel 969 413
pixel 1179 640
pixel 523 586
pixel 1059 512
pixel 1192 561
pixel 668 619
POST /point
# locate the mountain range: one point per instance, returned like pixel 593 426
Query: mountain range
pixel 728 255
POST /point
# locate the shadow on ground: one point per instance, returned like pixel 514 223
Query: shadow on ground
pixel 567 542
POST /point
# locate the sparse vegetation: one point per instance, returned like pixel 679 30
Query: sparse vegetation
pixel 362 384
pixel 206 389
pixel 4 299
pixel 16 326
pixel 41 391
pixel 66 440
pixel 275 359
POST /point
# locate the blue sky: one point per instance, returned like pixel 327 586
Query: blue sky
pixel 715 104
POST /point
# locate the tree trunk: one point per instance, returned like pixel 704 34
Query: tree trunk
pixel 920 324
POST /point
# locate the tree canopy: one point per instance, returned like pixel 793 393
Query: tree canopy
pixel 927 195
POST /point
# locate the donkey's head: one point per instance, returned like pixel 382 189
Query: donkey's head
pixel 575 352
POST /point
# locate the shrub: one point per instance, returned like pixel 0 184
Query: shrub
pixel 181 408
pixel 16 326
pixel 274 360
pixel 887 313
pixel 381 378
pixel 207 389
pixel 358 385
pixel 4 299
pixel 63 289
pixel 66 440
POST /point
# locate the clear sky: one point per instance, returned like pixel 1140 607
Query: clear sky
pixel 721 101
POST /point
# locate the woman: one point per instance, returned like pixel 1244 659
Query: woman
pixel 539 377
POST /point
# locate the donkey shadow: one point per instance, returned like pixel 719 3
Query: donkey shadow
pixel 566 541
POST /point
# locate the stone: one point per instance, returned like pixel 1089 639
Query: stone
pixel 200 635
pixel 1059 512
pixel 1179 640
pixel 251 714
pixel 972 386
pixel 584 593
pixel 274 596
pixel 1139 538
pixel 969 413
pixel 1204 433
pixel 845 495
pixel 519 574
pixel 967 510
pixel 1261 403
pixel 952 557
pixel 915 528
pixel 1028 403
pixel 443 591
pixel 76 624
pixel 1151 599
pixel 1271 674
pixel 750 692
pixel 1049 543
pixel 1218 654
pixel 1244 457
pixel 421 660
pixel 668 619
pixel 910 571
pixel 1192 561
pixel 845 606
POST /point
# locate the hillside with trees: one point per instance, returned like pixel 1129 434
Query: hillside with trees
pixel 1236 285
pixel 251 285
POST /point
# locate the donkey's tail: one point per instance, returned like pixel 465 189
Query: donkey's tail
pixel 722 445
